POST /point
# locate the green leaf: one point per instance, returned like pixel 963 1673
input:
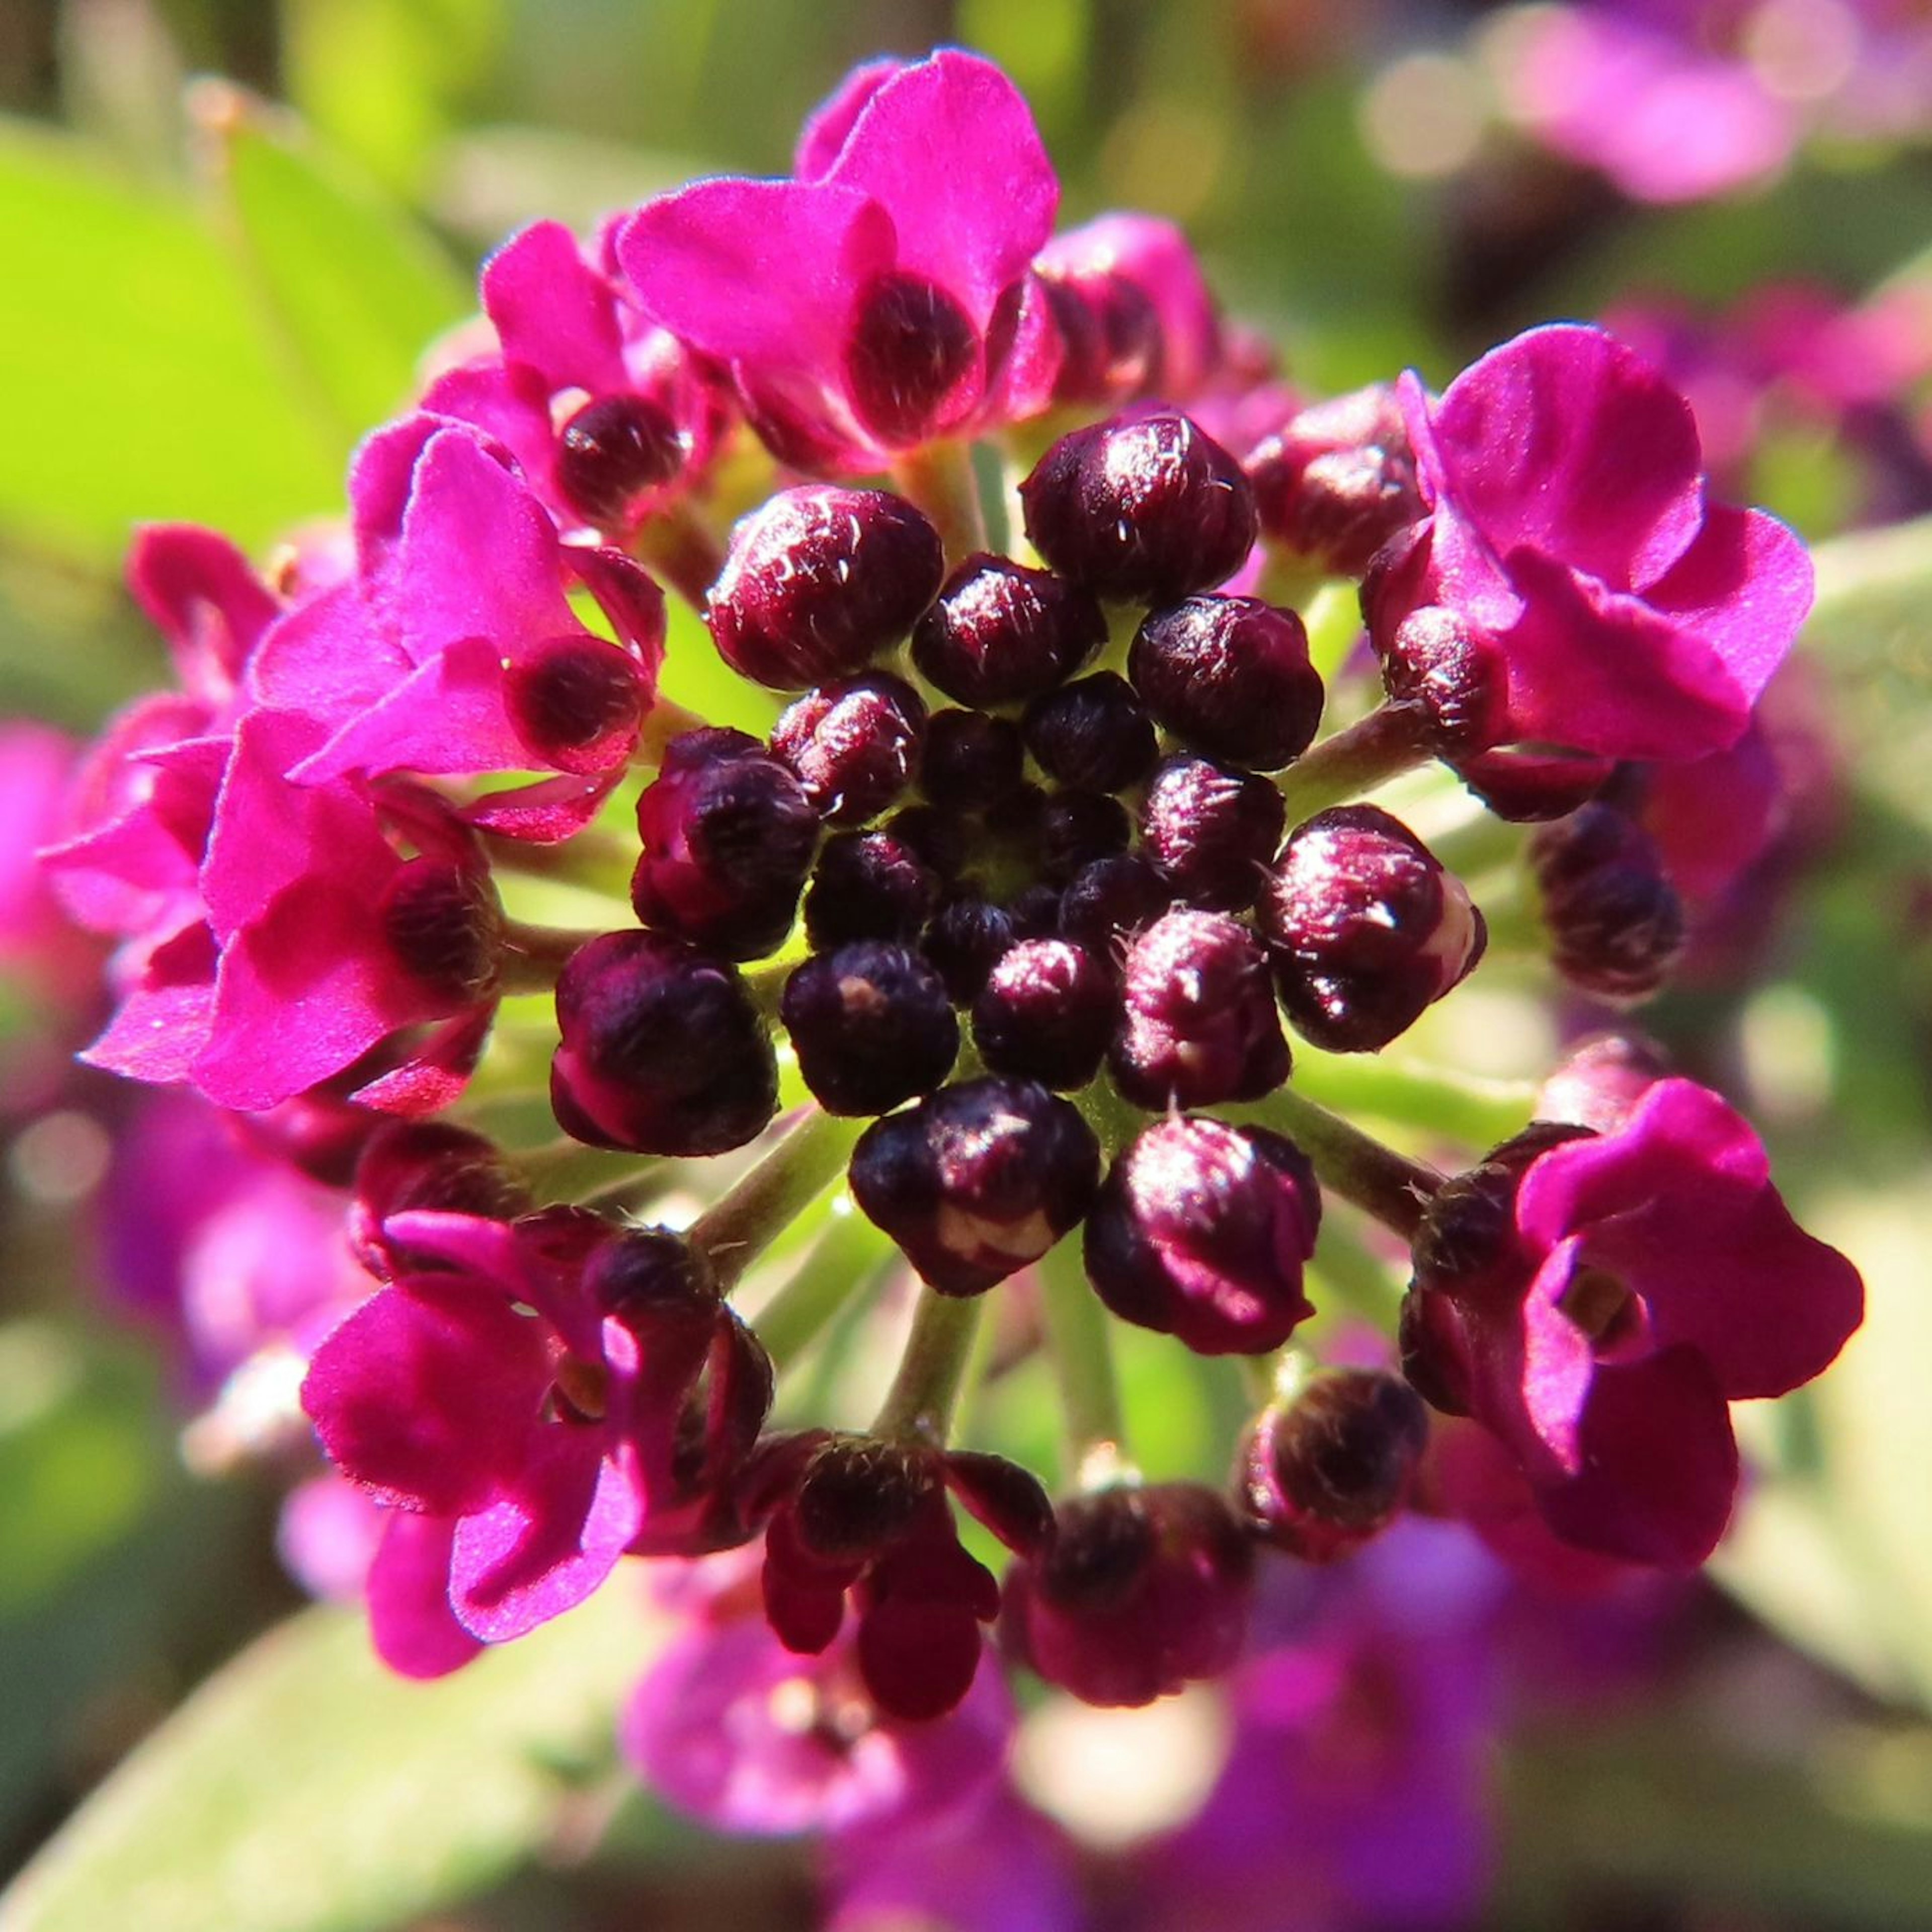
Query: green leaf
pixel 305 1789
pixel 355 289
pixel 138 378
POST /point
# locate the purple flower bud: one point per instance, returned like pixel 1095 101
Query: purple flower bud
pixel 1046 1013
pixel 728 835
pixel 648 1277
pixel 1001 634
pixel 1200 1025
pixel 1141 512
pixel 972 760
pixel 966 939
pixel 575 702
pixel 442 922
pixel 661 1049
pixel 871 1026
pixel 1110 336
pixel 407 1164
pixel 1322 1475
pixel 1202 1231
pixel 1142 1591
pixel 1616 924
pixel 911 346
pixel 1094 734
pixel 978 1181
pixel 868 886
pixel 1229 677
pixel 1107 902
pixel 1210 831
pixel 1078 827
pixel 818 580
pixel 854 745
pixel 857 1494
pixel 1442 665
pixel 1365 928
pixel 613 450
pixel 1529 786
pixel 1035 913
pixel 942 841
pixel 1339 480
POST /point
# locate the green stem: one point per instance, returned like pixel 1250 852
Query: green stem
pixel 938 477
pixel 567 1170
pixel 919 1405
pixel 683 551
pixel 530 957
pixel 1081 1345
pixel 734 1231
pixel 1386 743
pixel 1462 1105
pixel 851 1256
pixel 1393 1188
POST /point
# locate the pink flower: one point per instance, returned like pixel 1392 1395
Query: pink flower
pixel 881 296
pixel 1620 613
pixel 522 1409
pixel 1597 1301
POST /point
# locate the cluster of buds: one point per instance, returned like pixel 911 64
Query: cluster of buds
pixel 1000 929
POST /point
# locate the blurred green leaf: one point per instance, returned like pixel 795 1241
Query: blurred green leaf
pixel 138 380
pixel 355 288
pixel 305 1789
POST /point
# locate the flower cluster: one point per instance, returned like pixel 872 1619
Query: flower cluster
pixel 980 955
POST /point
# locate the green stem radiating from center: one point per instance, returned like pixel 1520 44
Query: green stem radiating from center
pixel 1080 1342
pixel 1361 756
pixel 938 477
pixel 919 1406
pixel 735 1230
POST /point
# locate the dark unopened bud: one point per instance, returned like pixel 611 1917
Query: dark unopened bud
pixel 1202 1230
pixel 967 938
pixel 612 451
pixel 819 579
pixel 978 1181
pixel 1046 1013
pixel 854 745
pixel 1141 512
pixel 1365 928
pixel 871 1026
pixel 1001 634
pixel 911 346
pixel 1339 480
pixel 1078 827
pixel 868 886
pixel 443 923
pixel 411 1164
pixel 1616 923
pixel 574 701
pixel 857 1494
pixel 1442 666
pixel 972 761
pixel 1323 1474
pixel 1110 336
pixel 1094 734
pixel 728 836
pixel 1199 1024
pixel 648 1276
pixel 1529 786
pixel 1229 677
pixel 943 842
pixel 1142 1591
pixel 1210 831
pixel 1106 903
pixel 661 1049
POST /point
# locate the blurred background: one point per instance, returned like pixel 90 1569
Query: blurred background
pixel 206 304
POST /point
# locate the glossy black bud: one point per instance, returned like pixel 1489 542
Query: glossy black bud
pixel 1001 634
pixel 1210 831
pixel 1230 677
pixel 1046 1013
pixel 854 745
pixel 871 1026
pixel 1094 735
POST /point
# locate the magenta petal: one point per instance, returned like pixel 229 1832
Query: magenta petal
pixel 1744 587
pixel 1677 1202
pixel 447 716
pixel 629 596
pixel 328 658
pixel 830 123
pixel 300 995
pixel 428 1393
pixel 1556 1367
pixel 547 812
pixel 161 1026
pixel 203 595
pixel 435 1075
pixel 1597 671
pixel 552 311
pixel 415 1632
pixel 553 1534
pixel 1659 1467
pixel 512 405
pixel 1565 440
pixel 478 556
pixel 950 147
pixel 379 478
pixel 760 272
